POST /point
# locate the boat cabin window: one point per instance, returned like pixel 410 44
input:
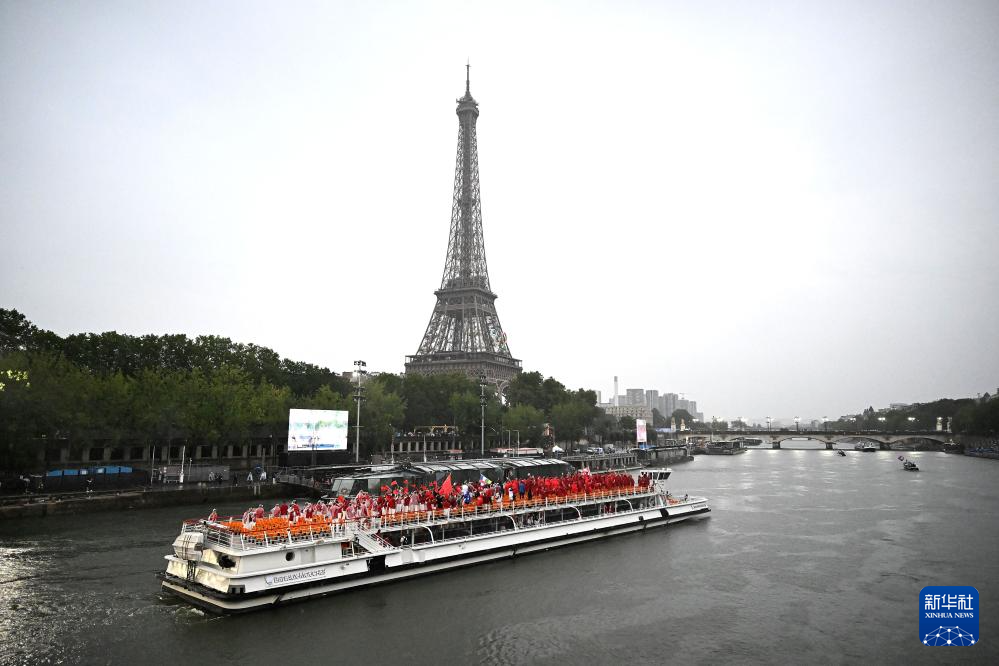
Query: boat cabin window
pixel 348 485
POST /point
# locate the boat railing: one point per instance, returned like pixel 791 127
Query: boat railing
pixel 221 534
pixel 230 533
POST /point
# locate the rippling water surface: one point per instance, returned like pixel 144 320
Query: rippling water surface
pixel 807 557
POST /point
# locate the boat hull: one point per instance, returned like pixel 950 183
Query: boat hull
pixel 402 563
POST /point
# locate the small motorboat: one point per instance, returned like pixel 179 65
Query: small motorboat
pixel 841 452
pixel 910 466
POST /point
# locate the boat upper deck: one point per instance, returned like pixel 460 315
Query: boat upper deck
pixel 265 533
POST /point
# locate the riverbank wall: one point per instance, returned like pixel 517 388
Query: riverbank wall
pixel 126 500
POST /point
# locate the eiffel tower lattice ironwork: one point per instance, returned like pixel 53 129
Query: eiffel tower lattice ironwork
pixel 464 334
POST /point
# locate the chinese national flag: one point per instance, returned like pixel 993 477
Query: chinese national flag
pixel 446 487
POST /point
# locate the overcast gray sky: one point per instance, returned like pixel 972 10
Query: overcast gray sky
pixel 776 208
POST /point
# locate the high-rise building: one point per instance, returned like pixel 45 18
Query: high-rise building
pixel 652 399
pixel 635 397
pixel 668 401
pixel 464 334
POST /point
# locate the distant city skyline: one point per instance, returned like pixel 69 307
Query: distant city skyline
pixel 786 209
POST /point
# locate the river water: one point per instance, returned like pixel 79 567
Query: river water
pixel 807 557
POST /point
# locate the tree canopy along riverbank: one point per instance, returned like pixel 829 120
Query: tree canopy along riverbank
pixel 210 390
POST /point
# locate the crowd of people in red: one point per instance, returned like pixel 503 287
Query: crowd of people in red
pixel 407 498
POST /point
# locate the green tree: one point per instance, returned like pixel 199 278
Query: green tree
pixel 270 406
pixel 682 416
pixel 464 407
pixel 44 397
pixel 527 420
pixel 570 418
pixel 112 406
pixel 16 332
pixel 157 404
pixel 526 389
pixel 382 413
pixel 428 398
pixel 605 426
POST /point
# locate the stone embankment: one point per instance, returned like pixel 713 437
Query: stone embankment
pixel 39 506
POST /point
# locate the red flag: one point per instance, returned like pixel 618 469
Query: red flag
pixel 446 486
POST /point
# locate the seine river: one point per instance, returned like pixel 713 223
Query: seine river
pixel 807 557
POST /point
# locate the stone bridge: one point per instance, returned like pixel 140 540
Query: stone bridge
pixel 830 438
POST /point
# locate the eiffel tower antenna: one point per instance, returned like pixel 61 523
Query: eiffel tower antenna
pixel 464 334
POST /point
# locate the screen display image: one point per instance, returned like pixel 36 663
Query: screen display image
pixel 317 430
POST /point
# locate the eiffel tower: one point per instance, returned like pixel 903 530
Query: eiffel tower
pixel 464 334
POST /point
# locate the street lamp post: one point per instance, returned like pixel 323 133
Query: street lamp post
pixel 911 420
pixel 825 424
pixel 359 397
pixel 882 419
pixel 768 424
pixel 797 424
pixel 482 405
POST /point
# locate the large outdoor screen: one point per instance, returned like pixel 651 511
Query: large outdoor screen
pixel 317 430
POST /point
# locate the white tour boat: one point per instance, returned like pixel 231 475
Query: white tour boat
pixel 224 567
